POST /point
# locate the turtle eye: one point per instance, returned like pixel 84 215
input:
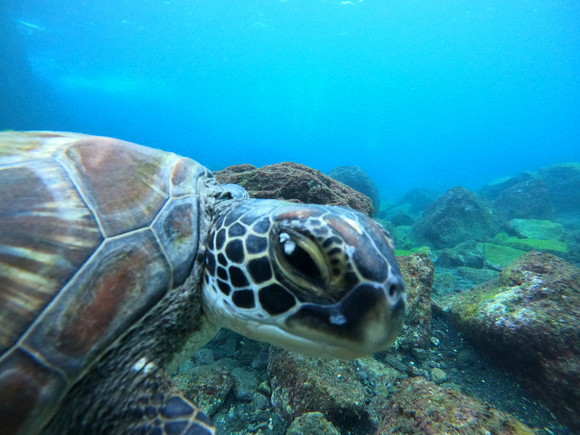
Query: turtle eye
pixel 298 257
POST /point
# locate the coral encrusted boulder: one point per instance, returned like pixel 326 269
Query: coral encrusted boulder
pixel 528 322
pixel 457 216
pixel 294 182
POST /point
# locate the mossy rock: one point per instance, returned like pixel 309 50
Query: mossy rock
pixel 528 244
pixel 540 229
pixel 537 245
pixel 499 256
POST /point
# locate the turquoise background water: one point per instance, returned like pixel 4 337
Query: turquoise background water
pixel 420 93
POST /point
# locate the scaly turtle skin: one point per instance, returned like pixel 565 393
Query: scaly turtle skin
pixel 113 255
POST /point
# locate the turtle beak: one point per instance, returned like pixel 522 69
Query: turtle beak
pixel 367 320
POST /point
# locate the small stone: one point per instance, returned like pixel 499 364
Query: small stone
pixel 265 389
pixel 435 341
pixel 312 422
pixel 419 354
pixel 438 376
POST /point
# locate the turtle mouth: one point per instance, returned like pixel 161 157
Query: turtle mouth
pixel 366 321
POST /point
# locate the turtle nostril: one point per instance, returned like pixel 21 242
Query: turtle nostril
pixel 395 292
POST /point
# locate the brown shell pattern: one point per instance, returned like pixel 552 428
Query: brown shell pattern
pixel 93 232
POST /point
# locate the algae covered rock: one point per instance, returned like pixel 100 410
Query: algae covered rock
pixel 540 229
pixel 528 322
pixel 356 178
pixel 563 182
pixel 312 423
pixel 422 407
pixel 498 256
pixel 294 182
pixel 417 271
pixel 301 384
pixel 457 216
pixel 208 385
pixel 469 254
pixel 529 199
pixel 492 190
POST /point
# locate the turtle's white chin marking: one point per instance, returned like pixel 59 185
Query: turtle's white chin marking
pixel 319 280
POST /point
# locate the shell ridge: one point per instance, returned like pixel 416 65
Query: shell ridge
pixel 57 300
pixel 42 360
pixel 165 254
pixel 61 161
pixel 54 301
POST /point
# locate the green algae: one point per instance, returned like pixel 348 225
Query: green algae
pixel 528 244
pixel 499 255
pixel 537 244
pixel 421 250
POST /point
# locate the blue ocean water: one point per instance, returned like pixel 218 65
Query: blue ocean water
pixel 419 93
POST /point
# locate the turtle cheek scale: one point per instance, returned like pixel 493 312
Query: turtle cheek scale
pixel 320 280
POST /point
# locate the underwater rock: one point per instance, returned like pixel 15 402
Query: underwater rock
pixel 302 384
pixel 206 386
pixel 438 376
pixel 529 199
pixel 417 271
pixel 402 218
pixel 356 178
pixel 537 229
pixel 527 322
pixel 493 190
pixel 476 276
pixel 457 216
pixel 563 182
pixel 419 199
pixel 445 281
pixel 552 190
pixel 294 182
pixel 469 254
pixel 312 423
pixel 422 407
pixel 498 256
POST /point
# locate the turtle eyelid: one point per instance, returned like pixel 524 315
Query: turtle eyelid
pixel 299 258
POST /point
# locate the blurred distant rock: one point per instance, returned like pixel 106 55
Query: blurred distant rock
pixel 457 216
pixel 422 407
pixel 528 199
pixel 528 322
pixel 469 254
pixel 563 182
pixel 552 190
pixel 402 218
pixel 356 178
pixel 493 190
pixel 419 199
pixel 294 182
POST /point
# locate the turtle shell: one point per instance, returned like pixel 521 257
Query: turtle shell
pixel 93 233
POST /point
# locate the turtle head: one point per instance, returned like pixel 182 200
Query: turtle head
pixel 320 280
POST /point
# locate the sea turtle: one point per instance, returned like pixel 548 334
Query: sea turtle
pixel 113 255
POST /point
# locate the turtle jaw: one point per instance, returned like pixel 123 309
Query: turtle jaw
pixel 366 321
